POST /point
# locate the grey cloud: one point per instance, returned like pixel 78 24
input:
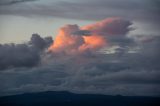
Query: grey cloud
pixel 119 73
pixel 23 55
pixel 40 43
pixel 144 12
pixel 82 32
pixel 11 2
pixel 91 76
pixel 122 41
pixel 17 55
pixel 87 9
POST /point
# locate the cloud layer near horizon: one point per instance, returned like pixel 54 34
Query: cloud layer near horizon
pixel 130 68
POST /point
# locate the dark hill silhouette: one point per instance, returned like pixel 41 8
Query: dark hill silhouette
pixel 64 98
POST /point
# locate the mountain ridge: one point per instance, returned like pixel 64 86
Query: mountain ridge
pixel 65 98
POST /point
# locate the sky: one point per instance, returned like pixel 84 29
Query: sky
pixel 84 46
pixel 46 16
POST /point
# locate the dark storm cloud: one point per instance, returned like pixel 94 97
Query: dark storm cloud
pixel 40 43
pixel 23 55
pixel 11 2
pixel 126 74
pixel 17 55
pixel 122 72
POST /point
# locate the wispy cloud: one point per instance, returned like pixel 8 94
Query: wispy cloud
pixel 144 12
pixel 11 2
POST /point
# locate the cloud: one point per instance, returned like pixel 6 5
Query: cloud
pixel 144 11
pixel 65 41
pixel 80 9
pixel 110 27
pixel 11 2
pixel 82 33
pixel 23 55
pixel 40 43
pixel 122 72
pixel 93 37
pixel 105 74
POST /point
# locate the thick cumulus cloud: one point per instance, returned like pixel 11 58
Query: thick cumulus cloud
pixel 72 38
pixel 23 55
pixel 40 43
pixel 67 42
pixel 126 66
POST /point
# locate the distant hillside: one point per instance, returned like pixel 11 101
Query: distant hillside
pixel 63 98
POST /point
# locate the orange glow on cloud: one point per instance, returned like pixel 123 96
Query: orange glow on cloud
pixel 67 42
pixel 93 42
pixel 72 38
